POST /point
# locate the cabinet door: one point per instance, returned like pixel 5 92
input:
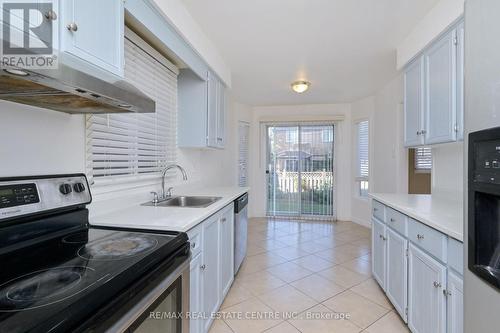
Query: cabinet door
pixel 195 295
pixel 210 267
pixel 93 31
pixel 455 293
pixel 413 103
pixel 397 272
pixel 426 301
pixel 378 252
pixel 460 81
pixel 440 93
pixel 226 252
pixel 212 110
pixel 221 114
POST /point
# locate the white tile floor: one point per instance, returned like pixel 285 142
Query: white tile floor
pixel 308 269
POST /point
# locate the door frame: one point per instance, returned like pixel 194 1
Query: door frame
pixel 266 151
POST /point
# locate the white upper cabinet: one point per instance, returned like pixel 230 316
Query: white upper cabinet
pixel 440 93
pixel 213 103
pixel 433 92
pixel 202 108
pixel 460 81
pixel 413 105
pixel 221 115
pixel 93 30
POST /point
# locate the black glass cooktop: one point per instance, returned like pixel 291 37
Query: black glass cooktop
pixel 66 278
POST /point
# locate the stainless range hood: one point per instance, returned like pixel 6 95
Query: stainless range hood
pixel 72 91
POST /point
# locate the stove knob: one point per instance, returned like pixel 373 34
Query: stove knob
pixel 65 189
pixel 79 187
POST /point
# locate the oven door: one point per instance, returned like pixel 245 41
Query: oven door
pixel 163 309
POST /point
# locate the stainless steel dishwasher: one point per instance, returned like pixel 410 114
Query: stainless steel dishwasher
pixel 240 230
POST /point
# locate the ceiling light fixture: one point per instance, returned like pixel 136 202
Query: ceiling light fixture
pixel 300 86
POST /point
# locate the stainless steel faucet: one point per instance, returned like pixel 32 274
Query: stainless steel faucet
pixel 171 166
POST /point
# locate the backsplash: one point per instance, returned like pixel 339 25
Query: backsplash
pixel 37 141
pixel 448 169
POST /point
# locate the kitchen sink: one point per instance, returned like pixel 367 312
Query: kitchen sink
pixel 186 201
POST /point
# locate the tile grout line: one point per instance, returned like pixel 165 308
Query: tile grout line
pixel 266 251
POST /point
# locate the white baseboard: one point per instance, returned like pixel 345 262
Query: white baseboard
pixel 362 222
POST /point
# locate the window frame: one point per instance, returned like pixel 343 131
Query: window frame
pixel 415 161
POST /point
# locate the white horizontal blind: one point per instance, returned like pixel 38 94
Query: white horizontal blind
pixel 243 133
pixel 423 159
pixel 363 153
pixel 124 147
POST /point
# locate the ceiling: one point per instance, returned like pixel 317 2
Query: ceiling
pixel 345 48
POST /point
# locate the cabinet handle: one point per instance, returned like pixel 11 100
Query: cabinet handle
pixel 423 131
pixel 51 15
pixel 419 236
pixel 419 132
pixel 219 139
pixel 446 293
pixel 437 284
pixel 393 220
pixel 203 267
pixel 375 209
pixel 223 220
pixel 193 245
pixel 72 27
pixel 382 237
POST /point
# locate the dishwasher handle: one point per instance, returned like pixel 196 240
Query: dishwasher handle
pixel 240 203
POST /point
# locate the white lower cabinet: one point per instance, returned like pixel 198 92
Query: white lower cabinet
pixel 226 252
pixel 379 252
pixel 397 272
pixel 210 269
pixel 419 270
pixel 195 295
pixel 426 300
pixel 455 298
pixel 212 272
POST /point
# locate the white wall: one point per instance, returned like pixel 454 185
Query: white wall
pixel 390 158
pixel 318 112
pixel 448 170
pixel 36 141
pixel 361 110
pixel 443 14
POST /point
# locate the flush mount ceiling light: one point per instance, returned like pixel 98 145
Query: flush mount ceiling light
pixel 300 86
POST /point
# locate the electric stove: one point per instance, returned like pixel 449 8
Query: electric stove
pixel 59 274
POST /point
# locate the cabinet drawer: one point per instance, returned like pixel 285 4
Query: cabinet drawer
pixel 195 239
pixel 378 210
pixel 428 239
pixel 397 221
pixel 456 255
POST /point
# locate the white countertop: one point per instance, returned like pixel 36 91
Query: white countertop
pixel 168 218
pixel 438 212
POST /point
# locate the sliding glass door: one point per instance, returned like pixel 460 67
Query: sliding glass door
pixel 300 172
